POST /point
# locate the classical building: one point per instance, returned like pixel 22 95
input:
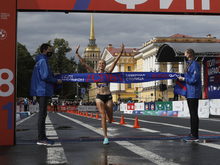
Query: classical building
pixel 147 62
pixel 144 60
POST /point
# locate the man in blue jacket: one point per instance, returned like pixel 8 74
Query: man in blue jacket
pixel 42 82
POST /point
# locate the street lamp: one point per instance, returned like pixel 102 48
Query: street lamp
pixel 155 84
pixel 77 85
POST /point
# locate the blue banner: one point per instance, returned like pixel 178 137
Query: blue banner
pixel 212 77
pixel 119 77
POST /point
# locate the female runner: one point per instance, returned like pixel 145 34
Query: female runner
pixel 104 98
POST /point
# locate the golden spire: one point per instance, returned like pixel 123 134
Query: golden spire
pixel 92 33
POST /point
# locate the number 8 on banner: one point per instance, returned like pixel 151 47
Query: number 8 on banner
pixel 7 82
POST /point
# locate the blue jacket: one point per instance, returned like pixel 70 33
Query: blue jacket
pixel 193 81
pixel 42 78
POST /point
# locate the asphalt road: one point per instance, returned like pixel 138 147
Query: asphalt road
pixel 78 141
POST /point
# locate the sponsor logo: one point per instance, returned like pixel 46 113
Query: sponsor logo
pixel 174 75
pixel 152 107
pixel 3 34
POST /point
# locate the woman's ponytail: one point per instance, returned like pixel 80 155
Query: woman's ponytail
pixel 192 56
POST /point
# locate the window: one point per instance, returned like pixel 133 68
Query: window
pixel 129 68
pixel 128 85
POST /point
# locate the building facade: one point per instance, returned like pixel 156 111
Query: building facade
pixel 153 91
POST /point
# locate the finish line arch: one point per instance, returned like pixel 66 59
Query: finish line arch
pixel 8 30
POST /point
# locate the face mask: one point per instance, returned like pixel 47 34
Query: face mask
pixel 49 54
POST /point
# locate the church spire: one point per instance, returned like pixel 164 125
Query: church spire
pixel 92 33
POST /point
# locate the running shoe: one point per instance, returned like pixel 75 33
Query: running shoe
pixel 191 139
pixel 106 141
pixel 49 140
pixel 45 142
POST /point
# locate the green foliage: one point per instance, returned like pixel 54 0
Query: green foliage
pixel 25 65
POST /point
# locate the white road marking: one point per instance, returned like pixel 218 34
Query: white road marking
pixel 145 153
pixel 22 120
pixel 167 134
pixel 212 145
pixel 51 132
pixel 143 129
pixel 56 155
pixel 133 148
pixel 55 152
pixel 131 126
pixel 171 125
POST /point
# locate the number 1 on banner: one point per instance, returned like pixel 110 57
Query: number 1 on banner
pixel 9 107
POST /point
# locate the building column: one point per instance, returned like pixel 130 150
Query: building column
pixel 180 67
pixel 157 70
pixel 145 70
pixel 152 68
pixel 122 84
pixel 169 67
pixel 148 69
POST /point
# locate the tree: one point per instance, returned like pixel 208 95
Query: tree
pixel 25 66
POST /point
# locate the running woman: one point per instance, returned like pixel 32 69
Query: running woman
pixel 104 97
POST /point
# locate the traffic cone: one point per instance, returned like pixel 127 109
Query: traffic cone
pixel 113 119
pixel 87 114
pixel 91 115
pixel 122 120
pixel 136 124
pixel 84 114
pixel 97 116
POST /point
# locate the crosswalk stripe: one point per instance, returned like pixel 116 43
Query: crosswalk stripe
pixel 55 152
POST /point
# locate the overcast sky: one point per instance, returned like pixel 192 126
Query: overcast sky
pixel 35 28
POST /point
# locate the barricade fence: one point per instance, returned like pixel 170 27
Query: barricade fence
pixel 172 108
pixel 168 108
